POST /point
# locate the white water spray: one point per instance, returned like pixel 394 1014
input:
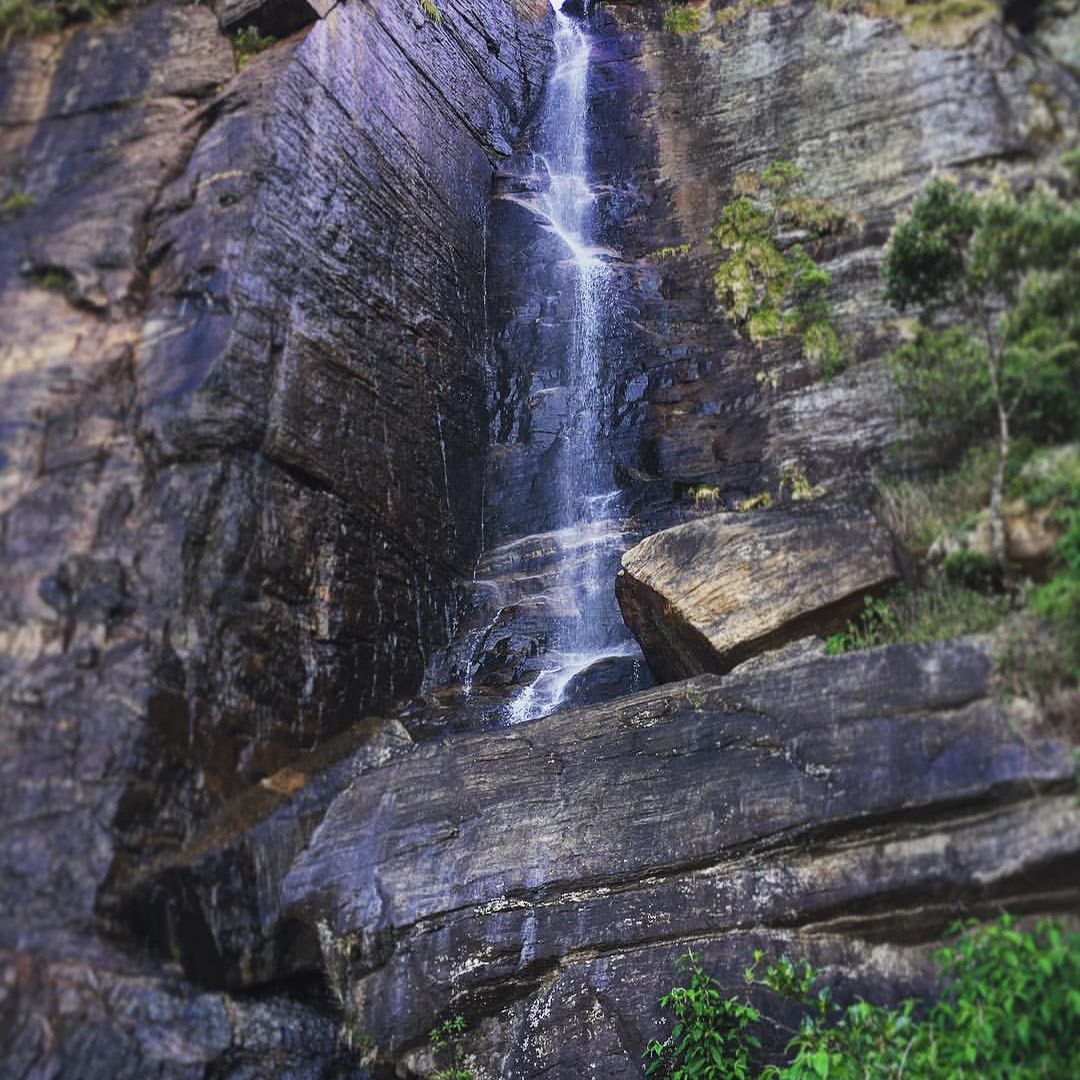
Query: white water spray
pixel 584 482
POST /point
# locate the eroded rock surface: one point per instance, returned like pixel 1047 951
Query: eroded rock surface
pixel 845 803
pixel 705 595
pixel 225 297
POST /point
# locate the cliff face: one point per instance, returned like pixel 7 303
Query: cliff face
pixel 276 367
pixel 242 363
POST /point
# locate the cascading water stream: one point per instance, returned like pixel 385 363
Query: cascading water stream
pixel 588 503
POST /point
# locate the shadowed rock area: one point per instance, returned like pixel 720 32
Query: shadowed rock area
pixel 222 295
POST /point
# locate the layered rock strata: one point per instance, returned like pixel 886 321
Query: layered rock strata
pixel 705 595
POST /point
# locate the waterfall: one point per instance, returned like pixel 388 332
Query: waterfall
pixel 588 502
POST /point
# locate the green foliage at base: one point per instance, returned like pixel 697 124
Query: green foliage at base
pixel 768 289
pixel 1009 1010
pixel 711 1039
pixel 680 19
pixel 26 18
pixel 248 43
pixel 446 1041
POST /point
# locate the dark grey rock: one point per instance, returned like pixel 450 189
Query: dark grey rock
pixel 838 802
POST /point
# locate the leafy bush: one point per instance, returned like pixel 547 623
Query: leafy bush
pixel 768 291
pixel 1009 1010
pixel 711 1039
pixel 446 1040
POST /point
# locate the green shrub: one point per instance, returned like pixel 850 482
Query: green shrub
pixel 446 1041
pixel 1009 1009
pixel 680 19
pixel 711 1039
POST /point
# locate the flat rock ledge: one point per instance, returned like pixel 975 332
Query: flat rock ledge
pixel 543 882
pixel 704 596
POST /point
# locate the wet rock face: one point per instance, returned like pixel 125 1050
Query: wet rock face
pixel 705 595
pixel 868 116
pixel 543 882
pixel 227 298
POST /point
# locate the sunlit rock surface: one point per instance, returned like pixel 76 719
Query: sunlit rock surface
pixel 705 595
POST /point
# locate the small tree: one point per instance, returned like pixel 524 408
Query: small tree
pixel 995 280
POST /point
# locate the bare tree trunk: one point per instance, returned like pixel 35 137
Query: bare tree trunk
pixel 997 521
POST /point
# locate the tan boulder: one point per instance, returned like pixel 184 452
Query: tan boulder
pixel 708 594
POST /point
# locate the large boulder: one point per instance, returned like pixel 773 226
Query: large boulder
pixel 708 594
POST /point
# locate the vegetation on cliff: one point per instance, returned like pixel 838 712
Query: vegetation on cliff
pixel 1009 1010
pixel 767 283
pixel 988 378
pixel 24 18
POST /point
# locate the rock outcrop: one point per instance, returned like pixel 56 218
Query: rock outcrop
pixel 544 881
pixel 224 296
pixel 706 595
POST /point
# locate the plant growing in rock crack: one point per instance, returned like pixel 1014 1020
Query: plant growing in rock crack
pixel 994 280
pixel 446 1042
pixel 681 19
pixel 336 956
pixel 431 10
pixel 767 283
pixel 248 43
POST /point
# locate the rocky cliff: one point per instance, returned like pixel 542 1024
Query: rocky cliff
pixel 243 361
pixel 278 376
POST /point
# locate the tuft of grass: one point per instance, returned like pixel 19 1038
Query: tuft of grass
pixel 249 42
pixel 940 610
pixel 431 10
pixel 680 19
pixel 28 18
pixel 918 512
pixel 16 201
pixel 927 22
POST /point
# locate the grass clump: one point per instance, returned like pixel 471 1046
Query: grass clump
pixel 28 18
pixel 767 283
pixel 1009 1009
pixel 946 607
pixel 431 10
pixel 927 22
pixel 681 19
pixel 249 42
pixel 14 202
